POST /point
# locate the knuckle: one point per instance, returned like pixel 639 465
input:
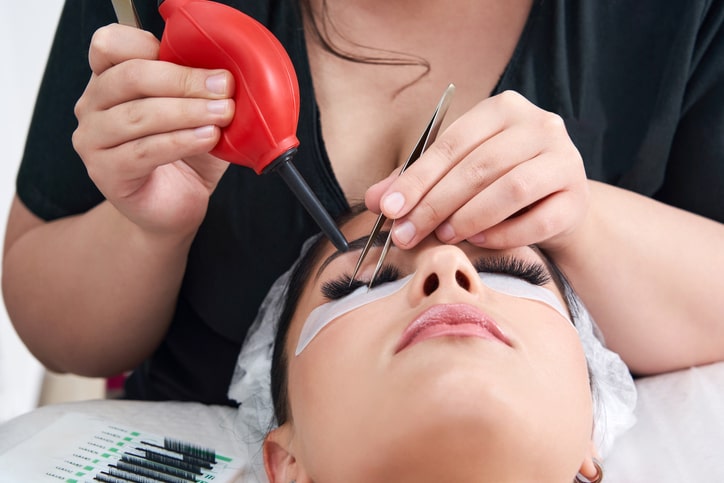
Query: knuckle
pixel 509 99
pixel 79 107
pixel 511 105
pixel 478 174
pixel 77 141
pixel 445 148
pixel 412 182
pixel 102 40
pixel 140 152
pixel 187 83
pixel 553 121
pixel 519 189
pixel 134 114
pixel 428 215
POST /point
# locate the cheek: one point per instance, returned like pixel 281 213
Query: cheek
pixel 554 353
pixel 552 370
pixel 559 396
pixel 336 382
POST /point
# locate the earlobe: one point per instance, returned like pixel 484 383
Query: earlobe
pixel 591 469
pixel 279 461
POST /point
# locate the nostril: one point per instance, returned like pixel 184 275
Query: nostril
pixel 462 280
pixel 431 284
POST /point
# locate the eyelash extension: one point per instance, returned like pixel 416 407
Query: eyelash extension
pixel 531 272
pixel 341 287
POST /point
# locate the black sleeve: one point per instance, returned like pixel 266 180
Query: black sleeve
pixel 52 180
pixel 695 173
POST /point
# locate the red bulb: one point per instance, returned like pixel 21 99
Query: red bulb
pixel 210 35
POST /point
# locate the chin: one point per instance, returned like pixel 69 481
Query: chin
pixel 465 456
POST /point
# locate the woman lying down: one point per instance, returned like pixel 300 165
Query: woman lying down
pixel 460 364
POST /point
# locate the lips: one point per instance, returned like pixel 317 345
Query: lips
pixel 450 320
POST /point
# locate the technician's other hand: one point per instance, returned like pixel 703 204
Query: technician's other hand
pixel 504 174
pixel 145 128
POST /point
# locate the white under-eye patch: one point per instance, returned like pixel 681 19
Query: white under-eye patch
pixel 321 316
pixel 510 285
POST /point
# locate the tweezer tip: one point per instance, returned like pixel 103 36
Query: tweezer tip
pixel 354 274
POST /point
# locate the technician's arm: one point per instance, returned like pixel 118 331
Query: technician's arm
pixel 652 276
pixel 651 273
pixel 94 293
pixel 91 294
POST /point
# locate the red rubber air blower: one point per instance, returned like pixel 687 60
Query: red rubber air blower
pixel 262 134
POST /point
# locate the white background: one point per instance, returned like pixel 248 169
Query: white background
pixel 26 32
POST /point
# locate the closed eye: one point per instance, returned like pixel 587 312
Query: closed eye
pixel 343 286
pixel 532 272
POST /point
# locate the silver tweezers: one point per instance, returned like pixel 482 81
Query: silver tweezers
pixel 126 13
pixel 427 137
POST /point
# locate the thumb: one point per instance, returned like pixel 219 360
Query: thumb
pixel 207 168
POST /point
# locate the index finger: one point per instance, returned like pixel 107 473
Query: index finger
pixel 138 78
pixel 488 118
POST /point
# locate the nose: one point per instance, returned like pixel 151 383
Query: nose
pixel 443 269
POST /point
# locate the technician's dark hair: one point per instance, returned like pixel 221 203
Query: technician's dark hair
pixel 297 282
pixel 321 26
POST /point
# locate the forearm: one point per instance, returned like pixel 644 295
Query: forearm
pixel 651 276
pixel 92 294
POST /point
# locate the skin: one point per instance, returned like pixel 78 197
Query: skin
pixel 494 157
pixel 144 129
pixel 449 408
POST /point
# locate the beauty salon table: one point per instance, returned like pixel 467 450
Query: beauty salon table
pixel 678 436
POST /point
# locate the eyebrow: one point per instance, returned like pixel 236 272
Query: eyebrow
pixel 354 245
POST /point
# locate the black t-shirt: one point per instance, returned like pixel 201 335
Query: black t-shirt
pixel 640 86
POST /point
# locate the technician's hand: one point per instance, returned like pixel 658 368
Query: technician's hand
pixel 145 128
pixel 504 174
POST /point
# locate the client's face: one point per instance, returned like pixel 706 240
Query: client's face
pixel 444 379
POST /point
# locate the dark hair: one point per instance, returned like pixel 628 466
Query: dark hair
pixel 321 27
pixel 297 281
pixel 294 290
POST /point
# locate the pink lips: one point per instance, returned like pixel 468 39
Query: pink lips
pixel 459 320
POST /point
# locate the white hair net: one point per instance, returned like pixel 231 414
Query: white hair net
pixel 614 392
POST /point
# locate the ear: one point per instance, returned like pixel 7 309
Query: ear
pixel 280 463
pixel 588 467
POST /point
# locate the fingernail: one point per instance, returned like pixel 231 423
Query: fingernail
pixel 478 239
pixel 393 203
pixel 218 107
pixel 216 84
pixel 405 232
pixel 445 232
pixel 204 132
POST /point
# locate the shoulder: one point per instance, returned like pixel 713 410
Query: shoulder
pixel 620 21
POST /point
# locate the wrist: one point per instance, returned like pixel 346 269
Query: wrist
pixel 158 241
